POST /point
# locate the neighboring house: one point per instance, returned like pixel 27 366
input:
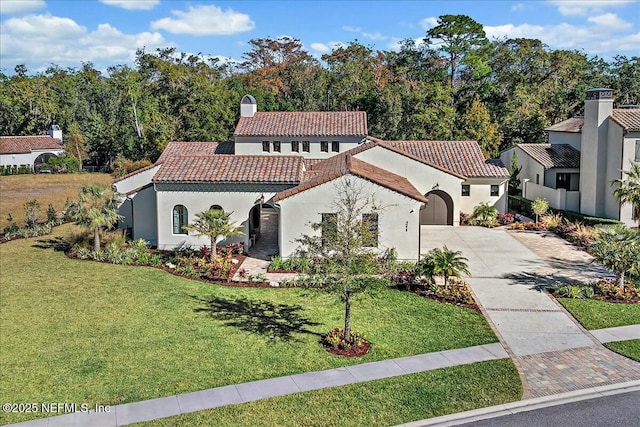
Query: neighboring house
pixel 584 156
pixel 30 151
pixel 282 173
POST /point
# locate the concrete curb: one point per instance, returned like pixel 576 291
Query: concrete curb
pixel 526 405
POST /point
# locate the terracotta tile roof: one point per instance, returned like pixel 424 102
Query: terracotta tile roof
pixel 231 168
pixel 26 144
pixel 553 155
pixel 345 164
pixel 628 118
pixel 573 125
pixel 461 158
pixel 301 124
pixel 182 148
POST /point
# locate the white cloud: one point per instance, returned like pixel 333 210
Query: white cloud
pixel 428 23
pixel 365 34
pixel 132 4
pixel 205 20
pixel 322 48
pixel 594 39
pixel 20 6
pixel 585 7
pixel 517 7
pixel 610 20
pixel 38 40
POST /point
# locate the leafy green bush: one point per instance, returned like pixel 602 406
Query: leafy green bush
pixel 484 215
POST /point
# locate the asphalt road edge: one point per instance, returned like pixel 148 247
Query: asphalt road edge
pixel 526 405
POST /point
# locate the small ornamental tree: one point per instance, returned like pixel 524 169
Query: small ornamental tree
pixel 216 225
pixel 539 207
pixel 618 248
pixel 341 247
pixel 514 179
pixel 446 263
pixel 95 209
pixel 32 212
pixel 628 190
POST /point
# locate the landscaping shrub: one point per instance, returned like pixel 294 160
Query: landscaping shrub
pixel 484 215
pixel 605 289
pixel 506 218
pixel 550 221
pixel 464 218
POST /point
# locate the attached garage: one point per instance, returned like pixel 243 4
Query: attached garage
pixel 439 209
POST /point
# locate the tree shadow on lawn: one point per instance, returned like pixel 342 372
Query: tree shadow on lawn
pixel 58 244
pixel 273 321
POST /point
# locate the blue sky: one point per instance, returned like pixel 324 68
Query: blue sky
pixel 108 32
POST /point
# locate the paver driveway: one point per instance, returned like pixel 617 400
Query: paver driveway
pixel 504 277
pixel 552 353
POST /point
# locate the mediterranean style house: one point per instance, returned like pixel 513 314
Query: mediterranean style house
pixel 575 170
pixel 30 151
pixel 282 171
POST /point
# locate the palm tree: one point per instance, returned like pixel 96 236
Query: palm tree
pixel 215 224
pixel 448 263
pixel 618 248
pixel 628 190
pixel 95 209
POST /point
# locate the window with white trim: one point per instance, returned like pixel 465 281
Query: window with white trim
pixel 335 146
pixel 276 146
pixel 266 147
pixel 466 190
pixel 370 226
pixel 306 146
pixel 324 146
pixel 295 146
pixel 637 150
pixel 495 190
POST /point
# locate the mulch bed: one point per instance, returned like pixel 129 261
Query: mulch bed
pixel 353 351
pixel 632 300
pixel 445 300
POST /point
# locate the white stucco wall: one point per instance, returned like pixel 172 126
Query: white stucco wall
pixel 25 158
pixel 253 145
pixel 628 155
pixel 135 181
pixel 398 221
pixel 480 192
pixel 423 177
pixel 614 163
pixel 571 138
pixel 144 220
pixel 198 197
pixel 558 199
pixel 551 174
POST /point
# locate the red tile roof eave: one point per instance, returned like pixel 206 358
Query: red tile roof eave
pixel 416 196
pixel 418 159
pixel 174 181
pixel 617 121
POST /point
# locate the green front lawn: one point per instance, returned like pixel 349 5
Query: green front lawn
pixel 594 314
pixel 630 349
pixel 86 332
pixel 377 403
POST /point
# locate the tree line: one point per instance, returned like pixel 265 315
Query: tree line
pixel 457 84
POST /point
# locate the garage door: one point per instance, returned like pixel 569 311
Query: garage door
pixel 438 211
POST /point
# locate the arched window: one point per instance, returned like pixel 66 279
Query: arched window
pixel 180 219
pixel 216 208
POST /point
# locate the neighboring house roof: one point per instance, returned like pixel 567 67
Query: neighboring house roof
pixel 573 125
pixel 628 118
pixel 463 158
pixel 345 164
pixel 231 168
pixel 27 144
pixel 304 124
pixel 181 148
pixel 553 155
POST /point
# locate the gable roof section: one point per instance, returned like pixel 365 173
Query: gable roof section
pixel 180 148
pixel 224 168
pixel 26 144
pixel 461 158
pixel 345 164
pixel 573 125
pixel 553 155
pixel 628 118
pixel 301 124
